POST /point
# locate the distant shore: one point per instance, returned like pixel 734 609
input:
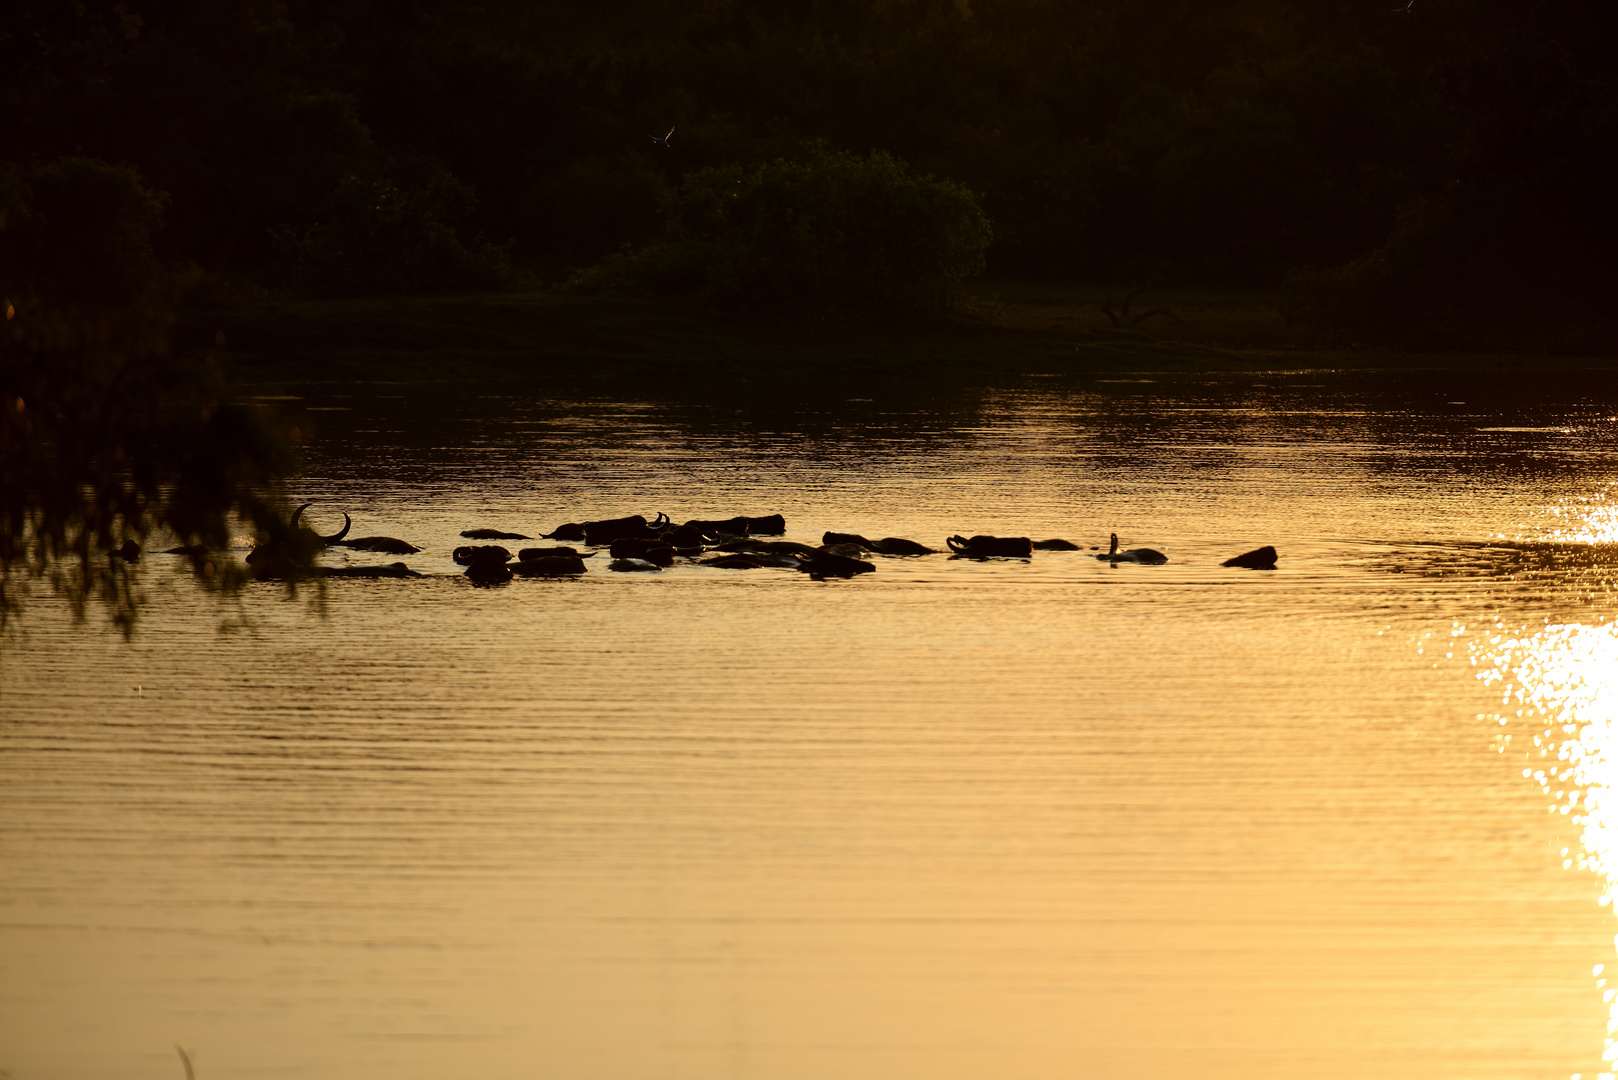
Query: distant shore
pixel 1012 328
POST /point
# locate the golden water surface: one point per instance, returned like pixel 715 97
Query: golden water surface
pixel 1015 819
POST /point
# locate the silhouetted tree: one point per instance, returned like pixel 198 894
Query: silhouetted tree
pixel 1209 141
pixel 826 232
pixel 107 435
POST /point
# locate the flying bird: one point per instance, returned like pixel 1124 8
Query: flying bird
pixel 663 140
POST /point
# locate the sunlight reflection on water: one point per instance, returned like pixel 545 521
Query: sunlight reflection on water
pixel 1560 683
pixel 1590 519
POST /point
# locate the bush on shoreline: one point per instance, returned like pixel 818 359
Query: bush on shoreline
pixel 832 232
pixel 1513 268
pixel 380 237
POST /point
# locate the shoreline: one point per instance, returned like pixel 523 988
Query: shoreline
pixel 1007 330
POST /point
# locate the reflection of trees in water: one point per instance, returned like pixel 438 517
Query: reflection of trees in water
pixel 1134 432
pixel 1491 422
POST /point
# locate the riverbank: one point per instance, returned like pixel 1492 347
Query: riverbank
pixel 1003 329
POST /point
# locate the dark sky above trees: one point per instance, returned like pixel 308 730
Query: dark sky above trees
pixel 1221 141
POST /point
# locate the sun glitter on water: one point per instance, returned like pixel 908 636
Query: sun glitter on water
pixel 1562 682
pixel 1587 519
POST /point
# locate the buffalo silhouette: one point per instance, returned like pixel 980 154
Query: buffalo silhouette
pixel 1258 559
pixel 991 547
pixel 287 555
pixel 888 545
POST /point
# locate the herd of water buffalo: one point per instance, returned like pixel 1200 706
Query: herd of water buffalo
pixel 636 544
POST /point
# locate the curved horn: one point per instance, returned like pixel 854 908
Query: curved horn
pixel 340 533
pixel 292 526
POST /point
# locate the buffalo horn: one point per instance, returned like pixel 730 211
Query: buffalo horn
pixel 340 533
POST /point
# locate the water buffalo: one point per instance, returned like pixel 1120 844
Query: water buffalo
pixel 571 531
pixel 845 538
pixel 312 537
pixel 631 566
pixel 1258 559
pixel 779 547
pixel 382 545
pixel 847 551
pixel 779 553
pixel 652 550
pixel 548 566
pixel 715 530
pixel 992 547
pixel 825 564
pixel 390 570
pixel 493 534
pixel 485 564
pixel 553 553
pixel 684 539
pixel 287 555
pixel 466 556
pixel 888 545
pixel 897 545
pixel 733 562
pixel 602 533
pixel 1055 545
pixel 740 525
pixel 780 560
pixel 1143 556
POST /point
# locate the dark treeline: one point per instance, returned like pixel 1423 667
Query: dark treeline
pixel 1457 149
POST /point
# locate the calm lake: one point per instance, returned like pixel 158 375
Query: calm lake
pixel 951 820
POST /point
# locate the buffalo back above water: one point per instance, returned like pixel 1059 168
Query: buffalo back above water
pixel 548 566
pixel 713 529
pixel 488 572
pixel 602 533
pixel 651 549
pixel 683 538
pixel 888 545
pixel 992 547
pixel 549 553
pixel 493 534
pixel 898 545
pixel 1259 559
pixel 829 538
pixel 491 554
pixel 847 551
pixel 382 545
pixel 390 570
pixel 733 562
pixel 773 547
pixel 825 564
